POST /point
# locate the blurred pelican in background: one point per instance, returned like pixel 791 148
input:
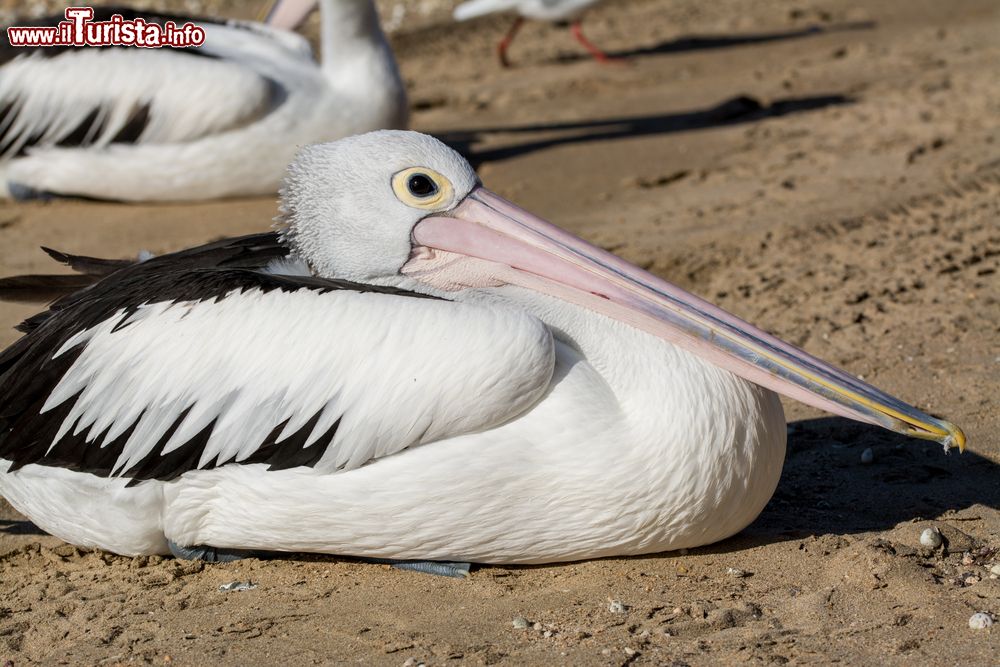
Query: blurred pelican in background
pixel 220 120
pixel 556 11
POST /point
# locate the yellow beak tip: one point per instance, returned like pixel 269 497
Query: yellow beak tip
pixel 955 437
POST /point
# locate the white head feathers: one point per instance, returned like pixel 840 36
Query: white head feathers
pixel 341 213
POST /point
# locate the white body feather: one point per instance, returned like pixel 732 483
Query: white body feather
pixel 540 10
pixel 606 441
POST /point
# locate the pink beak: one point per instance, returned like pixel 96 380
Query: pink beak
pixel 289 14
pixel 548 259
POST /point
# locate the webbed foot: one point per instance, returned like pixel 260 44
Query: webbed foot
pixel 216 555
pixel 21 192
pixel 439 568
pixel 210 554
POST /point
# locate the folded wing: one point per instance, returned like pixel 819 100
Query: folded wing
pixel 154 372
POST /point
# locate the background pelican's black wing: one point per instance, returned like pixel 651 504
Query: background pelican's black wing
pixel 70 96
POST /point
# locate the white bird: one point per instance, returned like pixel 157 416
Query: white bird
pixel 412 368
pixel 221 120
pixel 555 11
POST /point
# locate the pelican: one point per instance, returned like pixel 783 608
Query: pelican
pixel 411 368
pixel 555 11
pixel 221 120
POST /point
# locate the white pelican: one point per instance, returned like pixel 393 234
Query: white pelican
pixel 414 369
pixel 555 11
pixel 221 120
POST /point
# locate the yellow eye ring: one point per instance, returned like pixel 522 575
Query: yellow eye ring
pixel 422 188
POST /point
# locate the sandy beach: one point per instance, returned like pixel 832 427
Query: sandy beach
pixel 826 169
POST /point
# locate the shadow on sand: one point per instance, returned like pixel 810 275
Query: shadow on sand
pixel 826 489
pixel 741 109
pixel 19 527
pixel 710 42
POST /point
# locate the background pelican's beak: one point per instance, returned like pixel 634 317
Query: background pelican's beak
pixel 551 260
pixel 288 14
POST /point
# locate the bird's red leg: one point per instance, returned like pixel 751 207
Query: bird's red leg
pixel 599 55
pixel 507 39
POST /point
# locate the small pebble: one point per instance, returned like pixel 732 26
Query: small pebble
pixel 968 559
pixel 867 456
pixel 630 652
pixel 931 538
pixel 237 586
pixel 520 623
pixel 536 626
pixel 995 569
pixel 971 580
pixel 737 573
pixel 617 607
pixel 547 634
pixel 980 621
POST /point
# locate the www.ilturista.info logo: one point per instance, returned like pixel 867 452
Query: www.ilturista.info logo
pixel 79 30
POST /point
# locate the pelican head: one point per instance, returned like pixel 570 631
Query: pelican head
pixel 351 205
pixel 402 209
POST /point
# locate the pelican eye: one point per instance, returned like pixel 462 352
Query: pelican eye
pixel 421 185
pixel 423 188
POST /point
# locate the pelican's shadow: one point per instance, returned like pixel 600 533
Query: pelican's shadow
pixel 826 488
pixel 710 42
pixel 737 110
pixel 19 527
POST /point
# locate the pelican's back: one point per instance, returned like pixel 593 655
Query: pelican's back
pixel 474 8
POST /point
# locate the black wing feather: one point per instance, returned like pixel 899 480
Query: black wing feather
pixel 88 266
pixel 40 289
pixel 254 251
pixel 46 288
